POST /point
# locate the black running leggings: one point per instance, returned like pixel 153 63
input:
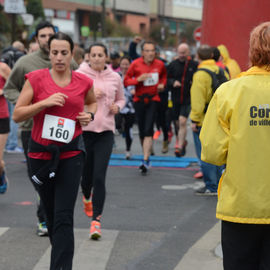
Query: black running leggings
pixel 98 151
pixel 161 118
pixel 59 195
pixel 145 114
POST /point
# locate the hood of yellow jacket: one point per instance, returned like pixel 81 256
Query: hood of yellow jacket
pixel 224 53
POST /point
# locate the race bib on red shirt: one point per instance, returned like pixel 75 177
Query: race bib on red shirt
pixel 153 80
pixel 58 129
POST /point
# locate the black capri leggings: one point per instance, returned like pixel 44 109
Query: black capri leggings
pixel 146 114
pixel 59 195
pixel 98 151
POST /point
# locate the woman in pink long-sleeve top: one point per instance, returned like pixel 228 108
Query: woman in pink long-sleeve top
pixel 98 135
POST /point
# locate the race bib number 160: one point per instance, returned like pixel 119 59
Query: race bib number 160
pixel 58 129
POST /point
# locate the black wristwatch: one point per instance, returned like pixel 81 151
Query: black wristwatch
pixel 92 116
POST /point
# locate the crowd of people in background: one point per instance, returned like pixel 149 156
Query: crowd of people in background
pixel 123 88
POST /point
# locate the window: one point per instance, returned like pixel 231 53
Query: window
pixel 188 3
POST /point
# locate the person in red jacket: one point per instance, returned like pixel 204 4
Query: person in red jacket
pixel 149 76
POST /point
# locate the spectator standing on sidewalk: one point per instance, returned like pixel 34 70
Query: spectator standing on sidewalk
pixel 179 81
pixel 201 94
pixel 229 63
pixel 98 135
pixel 36 60
pixel 236 133
pixel 149 76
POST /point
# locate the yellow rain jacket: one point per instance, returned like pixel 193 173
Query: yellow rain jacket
pixel 201 91
pixel 236 132
pixel 230 63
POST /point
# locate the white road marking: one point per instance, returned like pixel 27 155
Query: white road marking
pixel 88 253
pixel 194 186
pixel 3 230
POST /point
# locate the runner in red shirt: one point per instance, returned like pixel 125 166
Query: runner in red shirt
pixel 148 74
pixel 61 102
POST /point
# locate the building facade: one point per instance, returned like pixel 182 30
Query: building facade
pixel 71 16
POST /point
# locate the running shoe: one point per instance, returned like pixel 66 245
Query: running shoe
pixel 42 229
pixel 205 192
pixel 198 175
pixel 3 183
pixel 180 152
pixel 183 152
pixel 16 150
pixel 177 151
pixel 88 207
pixel 128 155
pixel 144 167
pixel 156 134
pixel 95 230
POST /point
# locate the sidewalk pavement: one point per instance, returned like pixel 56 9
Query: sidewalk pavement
pixel 205 254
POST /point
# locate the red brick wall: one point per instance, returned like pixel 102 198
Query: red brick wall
pixel 134 21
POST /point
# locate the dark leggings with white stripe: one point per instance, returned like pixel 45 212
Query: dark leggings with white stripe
pixel 59 195
pixel 98 151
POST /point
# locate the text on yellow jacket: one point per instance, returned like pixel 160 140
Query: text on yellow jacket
pixel 236 132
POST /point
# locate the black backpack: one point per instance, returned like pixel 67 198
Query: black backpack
pixel 10 56
pixel 217 78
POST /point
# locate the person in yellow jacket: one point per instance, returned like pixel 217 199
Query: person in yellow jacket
pixel 230 63
pixel 201 94
pixel 236 132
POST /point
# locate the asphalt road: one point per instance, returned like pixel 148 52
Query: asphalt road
pixel 152 222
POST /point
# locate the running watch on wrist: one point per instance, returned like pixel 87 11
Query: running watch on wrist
pixel 92 116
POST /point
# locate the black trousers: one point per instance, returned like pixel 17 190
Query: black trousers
pixel 146 116
pixel 161 121
pixel 59 195
pixel 128 120
pixel 25 136
pixel 98 151
pixel 245 246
